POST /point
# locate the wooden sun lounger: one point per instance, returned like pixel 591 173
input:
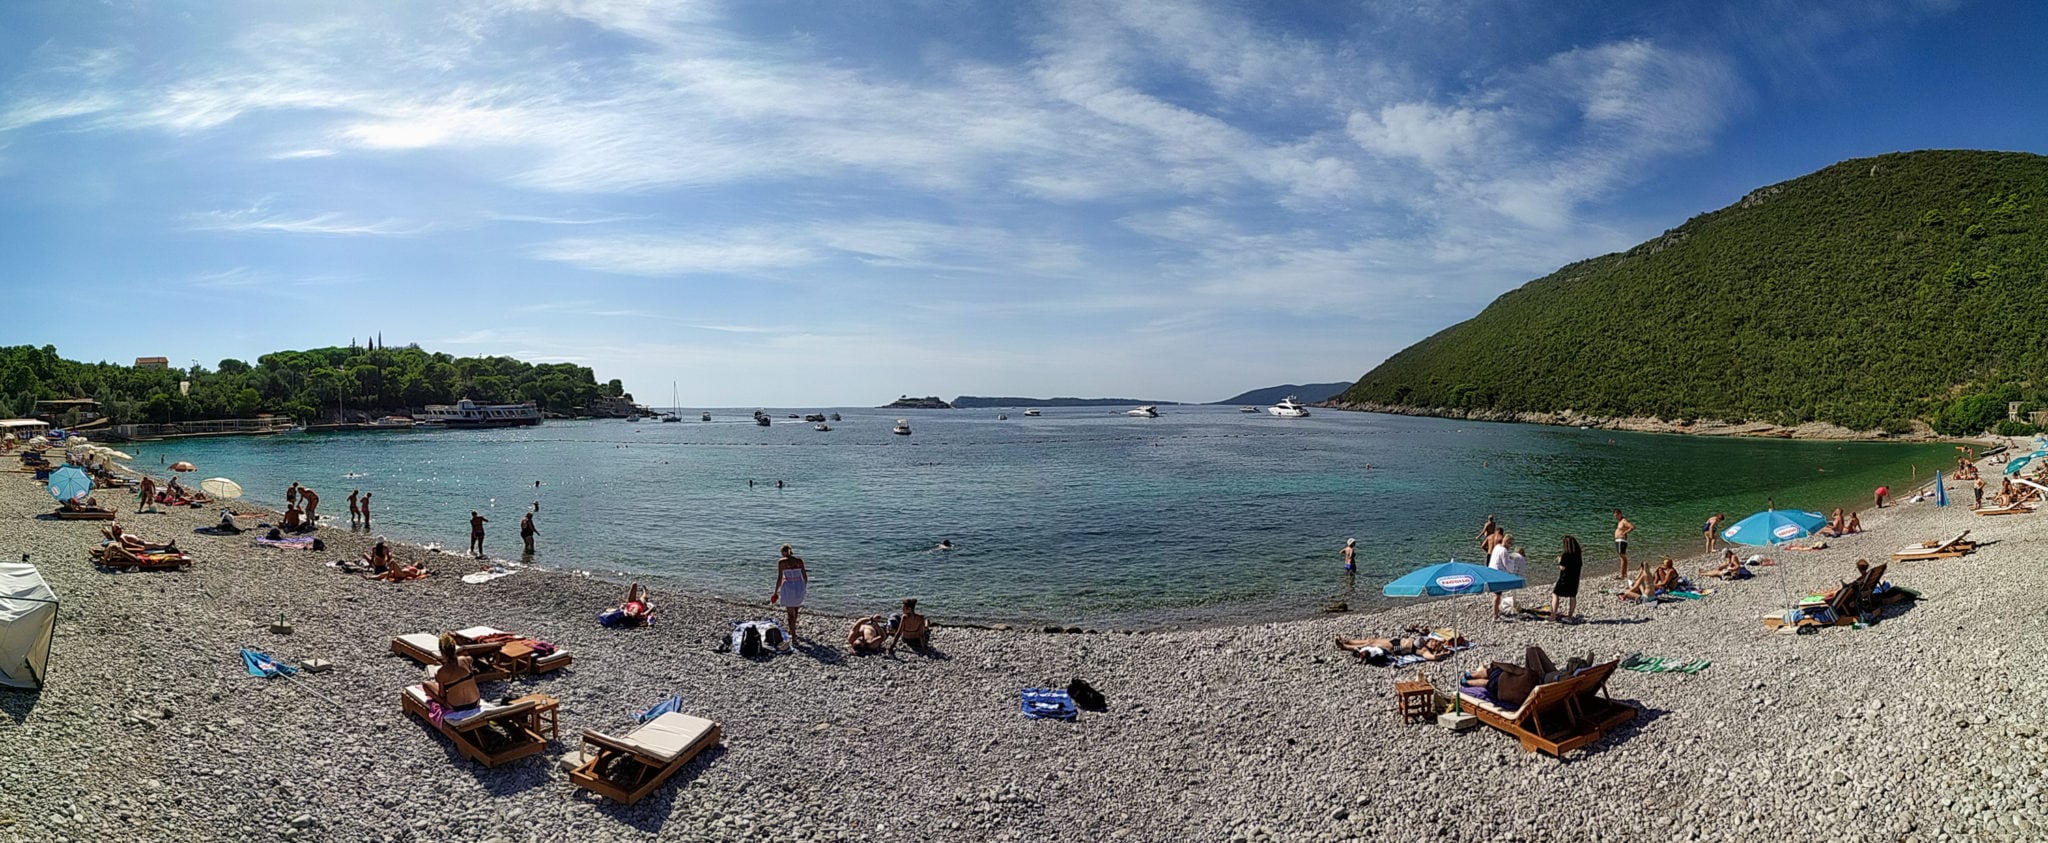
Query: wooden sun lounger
pixel 2009 509
pixel 1950 549
pixel 494 661
pixel 625 769
pixel 499 733
pixel 1560 716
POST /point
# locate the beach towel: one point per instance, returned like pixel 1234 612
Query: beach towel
pixel 261 664
pixel 1049 704
pixel 673 704
pixel 1657 664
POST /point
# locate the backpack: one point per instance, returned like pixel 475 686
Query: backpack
pixel 746 641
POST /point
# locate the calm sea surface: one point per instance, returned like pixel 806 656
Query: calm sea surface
pixel 1080 516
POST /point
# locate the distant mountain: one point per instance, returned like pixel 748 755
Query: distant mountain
pixel 1307 393
pixel 1878 294
pixel 978 401
pixel 929 402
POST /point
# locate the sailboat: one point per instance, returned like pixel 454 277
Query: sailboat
pixel 675 401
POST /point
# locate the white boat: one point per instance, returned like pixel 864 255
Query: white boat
pixel 821 426
pixel 1146 412
pixel 1002 417
pixel 467 413
pixel 389 422
pixel 675 401
pixel 902 427
pixel 1248 409
pixel 1289 407
pixel 1032 412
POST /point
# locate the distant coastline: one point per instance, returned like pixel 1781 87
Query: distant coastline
pixel 1651 424
pixel 979 401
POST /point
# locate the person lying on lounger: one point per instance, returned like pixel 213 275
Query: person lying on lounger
pixel 136 544
pixel 1381 650
pixel 868 635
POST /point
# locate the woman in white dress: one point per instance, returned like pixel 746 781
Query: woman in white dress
pixel 791 579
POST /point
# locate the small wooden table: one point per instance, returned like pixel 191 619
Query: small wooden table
pixel 1415 700
pixel 546 714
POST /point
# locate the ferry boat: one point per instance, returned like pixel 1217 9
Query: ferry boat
pixel 467 413
pixel 1146 412
pixel 1289 407
pixel 902 427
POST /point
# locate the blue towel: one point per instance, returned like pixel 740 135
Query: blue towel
pixel 1049 704
pixel 667 706
pixel 261 664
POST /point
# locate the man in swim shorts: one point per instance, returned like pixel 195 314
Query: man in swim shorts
pixel 1622 527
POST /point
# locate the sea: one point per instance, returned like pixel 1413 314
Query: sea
pixel 1082 516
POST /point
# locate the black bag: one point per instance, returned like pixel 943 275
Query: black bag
pixel 318 544
pixel 749 645
pixel 773 637
pixel 1086 696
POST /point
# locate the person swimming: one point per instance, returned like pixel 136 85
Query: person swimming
pixel 944 544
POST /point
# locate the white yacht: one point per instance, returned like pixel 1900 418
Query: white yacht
pixel 902 427
pixel 467 413
pixel 1031 412
pixel 1289 407
pixel 1147 412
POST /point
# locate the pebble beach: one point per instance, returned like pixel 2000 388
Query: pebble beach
pixel 1928 725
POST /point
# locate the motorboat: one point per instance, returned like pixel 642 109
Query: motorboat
pixel 762 419
pixel 835 416
pixel 1248 409
pixel 814 417
pixel 389 422
pixel 707 417
pixel 902 427
pixel 1289 407
pixel 1002 417
pixel 1146 412
pixel 821 426
pixel 1032 412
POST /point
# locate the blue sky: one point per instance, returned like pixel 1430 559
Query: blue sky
pixel 806 204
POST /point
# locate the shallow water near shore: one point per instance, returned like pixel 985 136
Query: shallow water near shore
pixel 1081 516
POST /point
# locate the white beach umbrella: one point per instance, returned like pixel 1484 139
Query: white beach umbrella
pixel 221 487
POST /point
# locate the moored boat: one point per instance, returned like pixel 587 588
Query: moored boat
pixel 467 413
pixel 902 427
pixel 1289 407
pixel 1146 412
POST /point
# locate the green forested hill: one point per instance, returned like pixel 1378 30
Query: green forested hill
pixel 316 383
pixel 1868 294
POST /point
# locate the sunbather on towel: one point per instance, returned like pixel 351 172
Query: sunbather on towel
pixel 868 635
pixel 639 606
pixel 452 683
pixel 227 522
pixel 1731 568
pixel 379 557
pixel 1380 650
pixel 1653 582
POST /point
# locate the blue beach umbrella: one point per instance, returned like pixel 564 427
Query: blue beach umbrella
pixel 1447 578
pixel 1940 491
pixel 1774 526
pixel 69 483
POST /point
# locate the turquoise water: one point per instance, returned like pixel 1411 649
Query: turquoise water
pixel 1080 516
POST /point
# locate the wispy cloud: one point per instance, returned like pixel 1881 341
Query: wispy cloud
pixel 258 220
pixel 736 252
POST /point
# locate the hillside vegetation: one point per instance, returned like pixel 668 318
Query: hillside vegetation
pixel 1869 294
pixel 309 384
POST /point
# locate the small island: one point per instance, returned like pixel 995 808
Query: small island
pixel 929 402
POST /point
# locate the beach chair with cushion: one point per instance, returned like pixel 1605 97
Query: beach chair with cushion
pixel 625 769
pixel 496 733
pixel 1958 546
pixel 1557 717
pixel 497 654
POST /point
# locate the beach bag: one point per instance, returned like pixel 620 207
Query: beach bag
pixel 771 635
pixel 1086 696
pixel 318 544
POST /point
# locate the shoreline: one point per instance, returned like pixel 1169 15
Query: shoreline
pixel 1249 731
pixel 1650 424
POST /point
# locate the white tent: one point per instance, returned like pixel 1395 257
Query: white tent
pixel 28 616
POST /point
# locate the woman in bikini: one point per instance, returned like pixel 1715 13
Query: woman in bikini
pixel 453 682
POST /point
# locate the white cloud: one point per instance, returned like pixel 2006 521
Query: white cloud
pixel 735 252
pixel 258 219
